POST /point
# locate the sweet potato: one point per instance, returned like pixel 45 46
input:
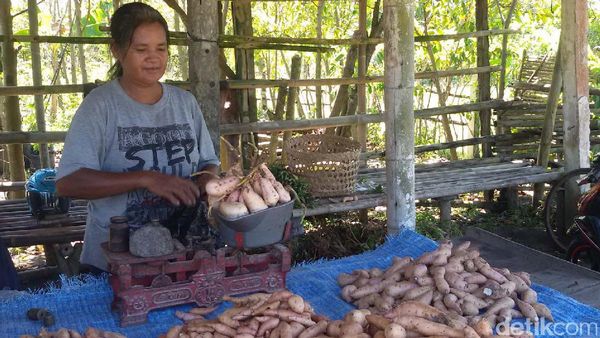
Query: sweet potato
pixel 543 311
pixel 476 278
pixel 440 282
pixel 451 302
pixel 486 270
pixel 425 298
pixel 483 328
pixel 529 296
pixel 350 328
pixel 356 316
pixel 500 304
pixel 394 331
pixel 252 200
pixel 397 265
pixel 185 316
pixel 266 172
pixel 267 325
pixel 527 310
pixel 284 195
pixel 426 327
pixel 416 270
pixel 469 308
pixel 378 321
pixel 334 328
pixel 384 303
pixel 524 276
pixel 367 290
pixel 344 279
pixel 520 284
pixel 222 186
pixel 268 192
pixel 347 292
pixel 232 209
pixel 256 185
pixel 412 308
pixel 296 303
pixel 399 289
pixel 416 292
pixel 424 280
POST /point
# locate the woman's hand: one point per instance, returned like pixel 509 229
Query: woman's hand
pixel 202 179
pixel 174 189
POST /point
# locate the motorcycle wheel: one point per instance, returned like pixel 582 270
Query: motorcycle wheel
pixel 583 254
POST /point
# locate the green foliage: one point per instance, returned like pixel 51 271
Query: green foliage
pixel 299 185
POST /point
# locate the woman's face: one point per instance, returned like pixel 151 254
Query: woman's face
pixel 145 61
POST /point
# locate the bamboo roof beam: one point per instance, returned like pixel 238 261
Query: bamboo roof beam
pixel 245 84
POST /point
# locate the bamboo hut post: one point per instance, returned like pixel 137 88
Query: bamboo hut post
pixel 36 72
pixel 292 94
pixel 11 103
pixel 361 90
pixel 548 127
pixel 483 79
pixel 399 117
pixel 204 62
pixel 576 111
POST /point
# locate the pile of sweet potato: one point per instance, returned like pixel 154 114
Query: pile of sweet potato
pixel 453 279
pixel 257 315
pixel 286 315
pixel 236 195
pixel 68 333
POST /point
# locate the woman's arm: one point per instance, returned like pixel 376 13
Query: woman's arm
pixel 92 184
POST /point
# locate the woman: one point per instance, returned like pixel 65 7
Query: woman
pixel 134 142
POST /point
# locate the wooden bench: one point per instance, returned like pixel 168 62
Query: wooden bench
pixel 444 182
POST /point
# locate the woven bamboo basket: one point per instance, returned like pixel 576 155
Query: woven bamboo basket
pixel 329 163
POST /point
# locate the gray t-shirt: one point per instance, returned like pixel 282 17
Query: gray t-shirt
pixel 112 132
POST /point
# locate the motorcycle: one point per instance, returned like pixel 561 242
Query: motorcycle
pixel 584 248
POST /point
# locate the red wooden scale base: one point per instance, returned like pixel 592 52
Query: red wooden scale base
pixel 144 284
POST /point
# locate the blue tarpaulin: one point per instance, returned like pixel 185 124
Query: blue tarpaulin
pixel 85 301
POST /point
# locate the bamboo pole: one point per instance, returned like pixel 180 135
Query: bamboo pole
pixel 504 54
pixel 483 60
pixel 36 75
pixel 361 91
pixel 204 63
pixel 269 126
pixel 233 41
pixel 548 127
pixel 11 104
pixel 398 95
pixel 442 97
pixel 244 84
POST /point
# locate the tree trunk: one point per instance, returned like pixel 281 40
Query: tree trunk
pixel 11 103
pixel 292 94
pixel 341 100
pixel 277 115
pixel 78 29
pixel 36 70
pixel 181 54
pixel 318 90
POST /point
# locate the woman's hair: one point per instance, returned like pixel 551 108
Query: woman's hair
pixel 123 24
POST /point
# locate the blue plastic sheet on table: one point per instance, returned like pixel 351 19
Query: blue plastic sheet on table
pixel 85 301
